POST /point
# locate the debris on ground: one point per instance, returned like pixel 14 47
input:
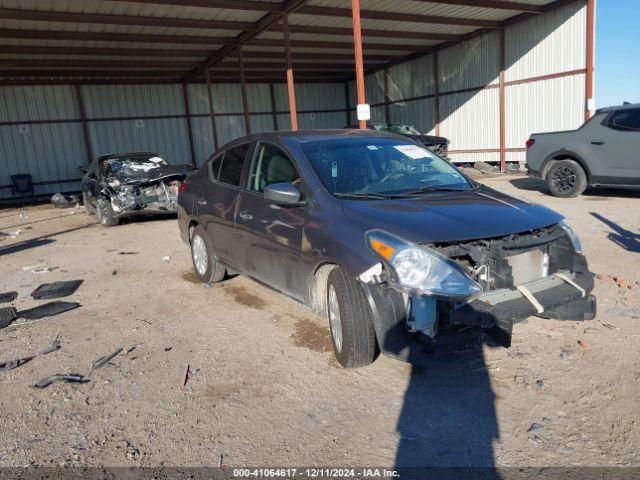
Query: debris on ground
pixel 61 377
pixel 7 316
pixel 6 366
pixel 584 345
pixel 100 362
pixel 48 291
pixel 44 269
pixel 128 253
pixel 484 167
pixel 14 234
pixel 166 259
pixel 540 383
pixel 535 429
pixel 185 377
pixel 60 201
pixel 40 268
pixel 133 452
pixel 47 310
pixel 8 297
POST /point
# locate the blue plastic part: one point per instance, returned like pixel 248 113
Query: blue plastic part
pixel 422 314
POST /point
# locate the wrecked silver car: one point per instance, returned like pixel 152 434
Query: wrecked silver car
pixel 121 185
pixel 400 250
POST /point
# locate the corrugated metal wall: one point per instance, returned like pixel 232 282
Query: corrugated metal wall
pixel 48 151
pixel 546 45
pixel 139 117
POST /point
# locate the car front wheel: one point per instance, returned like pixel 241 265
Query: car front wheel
pixel 566 179
pixel 106 216
pixel 206 266
pixel 350 320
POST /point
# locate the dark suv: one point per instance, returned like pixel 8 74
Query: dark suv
pixel 395 246
pixel 604 152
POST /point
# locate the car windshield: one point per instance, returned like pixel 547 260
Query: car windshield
pixel 396 128
pixel 368 166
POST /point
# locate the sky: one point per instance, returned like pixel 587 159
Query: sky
pixel 617 52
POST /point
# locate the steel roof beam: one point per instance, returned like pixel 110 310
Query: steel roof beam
pixel 266 22
pixel 397 16
pixel 260 6
pixel 98 18
pixel 93 51
pixel 495 4
pixel 144 64
pixel 203 40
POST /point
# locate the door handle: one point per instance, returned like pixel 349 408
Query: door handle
pixel 202 201
pixel 597 143
pixel 246 216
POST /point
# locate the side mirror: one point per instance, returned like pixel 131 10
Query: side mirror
pixel 282 193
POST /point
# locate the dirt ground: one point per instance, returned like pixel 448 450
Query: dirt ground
pixel 263 387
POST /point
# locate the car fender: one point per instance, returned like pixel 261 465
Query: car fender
pixel 546 164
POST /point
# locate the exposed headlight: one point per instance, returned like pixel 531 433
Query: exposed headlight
pixel 573 236
pixel 417 269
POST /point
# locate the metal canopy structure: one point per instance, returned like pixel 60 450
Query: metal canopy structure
pixel 169 41
pixel 442 61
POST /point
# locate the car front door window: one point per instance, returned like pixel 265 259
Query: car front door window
pixel 270 165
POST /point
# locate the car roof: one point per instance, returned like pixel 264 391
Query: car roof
pixel 304 136
pixel 620 107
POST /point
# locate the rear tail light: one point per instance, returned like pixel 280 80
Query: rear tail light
pixel 531 142
pixel 182 186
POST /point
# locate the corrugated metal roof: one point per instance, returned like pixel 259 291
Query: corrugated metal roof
pixel 200 48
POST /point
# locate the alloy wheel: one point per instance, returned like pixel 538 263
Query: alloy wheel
pixel 334 318
pixel 200 256
pixel 564 179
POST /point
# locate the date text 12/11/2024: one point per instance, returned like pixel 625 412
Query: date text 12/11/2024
pixel 314 473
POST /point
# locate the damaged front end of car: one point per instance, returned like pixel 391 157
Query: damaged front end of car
pixel 424 295
pixel 136 188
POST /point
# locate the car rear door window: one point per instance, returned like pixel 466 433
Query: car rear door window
pixel 232 165
pixel 628 119
pixel 214 167
pixel 270 165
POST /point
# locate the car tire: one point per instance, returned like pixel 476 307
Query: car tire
pixel 106 216
pixel 205 264
pixel 350 321
pixel 566 179
pixel 86 200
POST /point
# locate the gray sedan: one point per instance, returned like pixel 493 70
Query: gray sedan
pixel 396 247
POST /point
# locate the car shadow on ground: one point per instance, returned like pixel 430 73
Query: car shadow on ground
pixel 448 422
pixel 622 237
pixel 537 185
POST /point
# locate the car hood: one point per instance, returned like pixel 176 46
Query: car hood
pixel 154 174
pixel 451 216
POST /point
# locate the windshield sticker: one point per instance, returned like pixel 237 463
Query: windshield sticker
pixel 334 170
pixel 412 151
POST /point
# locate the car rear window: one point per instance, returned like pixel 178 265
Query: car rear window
pixel 232 165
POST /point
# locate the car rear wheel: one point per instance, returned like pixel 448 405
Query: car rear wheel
pixel 106 216
pixel 350 320
pixel 206 266
pixel 566 179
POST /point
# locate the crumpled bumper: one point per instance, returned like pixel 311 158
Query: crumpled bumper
pixel 495 313
pixel 561 296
